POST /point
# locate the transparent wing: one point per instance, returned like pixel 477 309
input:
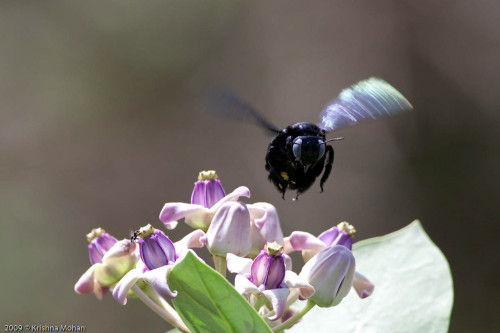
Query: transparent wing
pixel 224 103
pixel 368 99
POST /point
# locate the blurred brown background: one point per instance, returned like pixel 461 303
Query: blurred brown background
pixel 98 128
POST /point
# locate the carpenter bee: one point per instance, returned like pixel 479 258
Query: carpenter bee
pixel 299 154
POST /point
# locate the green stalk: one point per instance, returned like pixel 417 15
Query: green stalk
pixel 295 318
pixel 166 315
pixel 220 265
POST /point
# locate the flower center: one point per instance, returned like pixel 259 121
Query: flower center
pixel 207 175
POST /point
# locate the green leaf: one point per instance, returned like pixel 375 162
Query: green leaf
pixel 413 288
pixel 207 302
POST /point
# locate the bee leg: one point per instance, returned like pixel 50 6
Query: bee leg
pixel 328 166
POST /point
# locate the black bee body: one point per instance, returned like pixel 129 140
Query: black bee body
pixel 289 171
pixel 298 154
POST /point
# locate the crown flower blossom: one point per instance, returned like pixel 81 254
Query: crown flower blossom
pixel 331 273
pixel 266 282
pixel 207 197
pixel 111 260
pixel 342 234
pixel 158 255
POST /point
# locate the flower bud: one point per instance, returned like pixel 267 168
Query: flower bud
pixel 100 243
pixel 268 269
pixel 155 248
pixel 207 190
pixel 229 231
pixel 331 273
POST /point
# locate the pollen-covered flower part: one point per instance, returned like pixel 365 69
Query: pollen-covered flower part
pixel 207 190
pixel 200 212
pixel 266 282
pixel 265 226
pixel 331 273
pixel 109 266
pixel 229 231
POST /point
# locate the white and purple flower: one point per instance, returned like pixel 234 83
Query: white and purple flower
pixel 111 260
pixel 340 235
pixel 207 197
pixel 266 282
pixel 158 255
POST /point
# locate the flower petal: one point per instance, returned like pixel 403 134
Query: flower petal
pixel 309 244
pixel 277 297
pixel 123 286
pixel 157 278
pixel 237 264
pixel 265 226
pixel 362 285
pixel 301 240
pixel 292 280
pixel 85 284
pixel 121 248
pixel 192 240
pixel 241 191
pixel 244 286
pixel 174 211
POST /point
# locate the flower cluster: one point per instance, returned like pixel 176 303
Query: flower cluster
pixel 245 239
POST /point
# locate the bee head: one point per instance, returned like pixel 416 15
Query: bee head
pixel 308 149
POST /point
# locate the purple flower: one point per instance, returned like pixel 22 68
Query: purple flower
pixel 109 263
pixel 158 255
pixel 208 196
pixel 310 245
pixel 331 273
pixel 155 248
pixel 268 269
pixel 100 243
pixel 207 190
pixel 266 282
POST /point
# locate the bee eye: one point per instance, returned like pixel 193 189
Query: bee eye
pixel 321 144
pixel 297 148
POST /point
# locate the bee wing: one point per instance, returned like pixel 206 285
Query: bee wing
pixel 368 99
pixel 227 104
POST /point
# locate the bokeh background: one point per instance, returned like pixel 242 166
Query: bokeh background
pixel 98 127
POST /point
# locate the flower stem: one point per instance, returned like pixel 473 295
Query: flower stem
pixel 220 265
pixel 295 318
pixel 162 302
pixel 166 315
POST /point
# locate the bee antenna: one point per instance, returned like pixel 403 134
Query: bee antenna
pixel 335 139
